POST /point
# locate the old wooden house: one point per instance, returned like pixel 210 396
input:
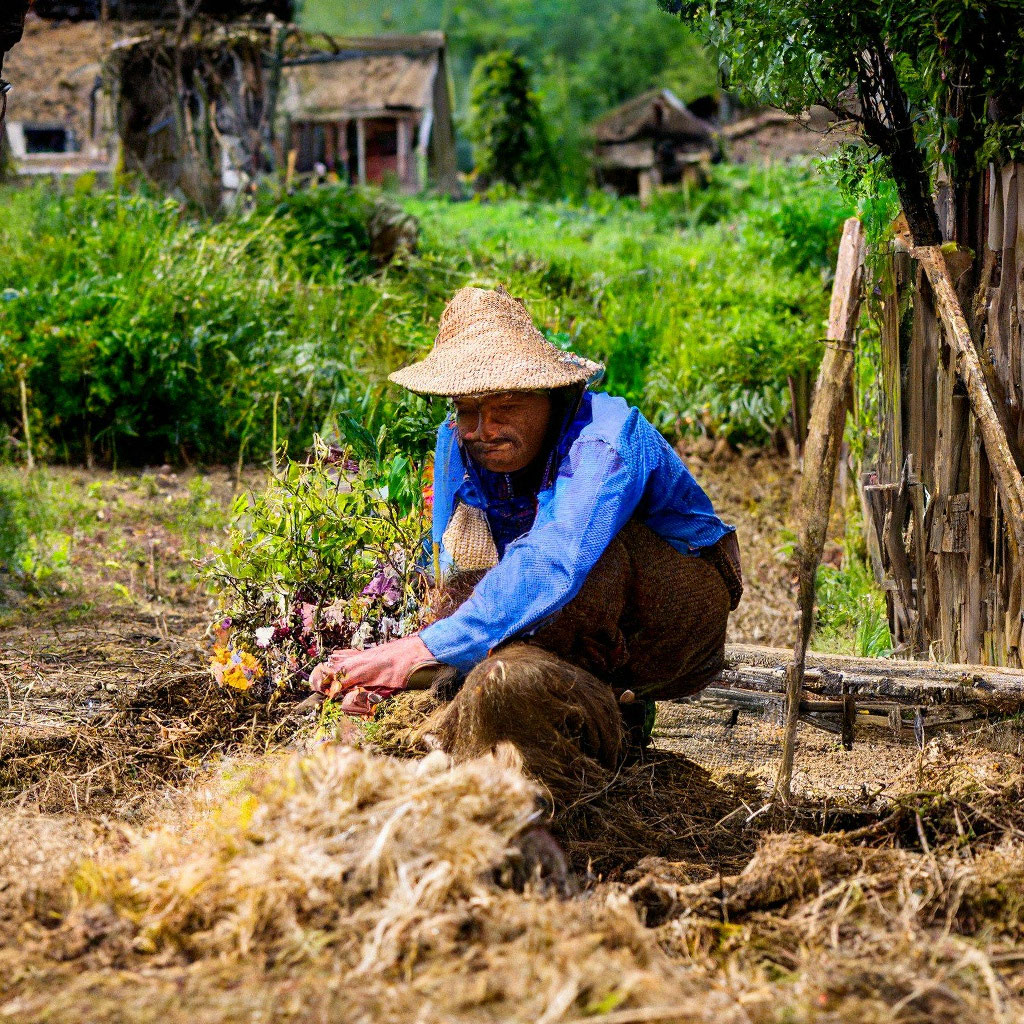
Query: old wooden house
pixel 373 110
pixel 208 111
pixel 652 139
pixel 57 119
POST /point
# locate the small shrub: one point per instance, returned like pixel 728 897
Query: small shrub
pixel 852 617
pixel 34 554
pixel 324 229
pixel 325 557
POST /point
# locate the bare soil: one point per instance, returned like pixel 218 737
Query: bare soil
pixel 164 857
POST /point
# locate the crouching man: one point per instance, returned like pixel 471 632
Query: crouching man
pixel 587 574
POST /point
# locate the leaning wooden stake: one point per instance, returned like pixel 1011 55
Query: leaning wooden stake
pixel 993 434
pixel 821 457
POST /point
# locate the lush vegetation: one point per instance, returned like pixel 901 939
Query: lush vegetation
pixel 146 337
pixel 937 82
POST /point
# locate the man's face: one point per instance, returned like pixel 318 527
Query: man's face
pixel 504 432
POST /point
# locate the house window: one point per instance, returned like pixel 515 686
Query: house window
pixel 48 138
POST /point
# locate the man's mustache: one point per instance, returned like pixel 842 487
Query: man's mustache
pixel 493 442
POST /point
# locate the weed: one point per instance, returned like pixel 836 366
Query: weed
pixel 852 617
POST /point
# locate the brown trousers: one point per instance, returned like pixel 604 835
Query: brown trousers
pixel 648 619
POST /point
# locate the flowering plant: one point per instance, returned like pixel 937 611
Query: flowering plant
pixel 325 557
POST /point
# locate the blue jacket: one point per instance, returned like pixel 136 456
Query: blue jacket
pixel 617 467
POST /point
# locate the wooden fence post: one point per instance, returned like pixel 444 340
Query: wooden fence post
pixel 821 456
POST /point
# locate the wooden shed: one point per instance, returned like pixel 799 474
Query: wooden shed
pixel 373 109
pixel 652 139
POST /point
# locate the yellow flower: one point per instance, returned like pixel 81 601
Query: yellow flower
pixel 237 669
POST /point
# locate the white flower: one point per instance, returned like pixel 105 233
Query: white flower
pixel 335 612
pixel 362 636
pixel 264 635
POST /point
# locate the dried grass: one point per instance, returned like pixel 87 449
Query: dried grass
pixel 346 886
pixel 142 732
pixel 379 871
pixel 337 849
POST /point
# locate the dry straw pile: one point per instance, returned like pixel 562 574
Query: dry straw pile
pixel 365 887
pixel 344 886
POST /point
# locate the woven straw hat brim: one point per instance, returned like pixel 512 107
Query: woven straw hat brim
pixel 444 373
pixel 486 342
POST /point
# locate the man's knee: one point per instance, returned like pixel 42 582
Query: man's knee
pixel 528 696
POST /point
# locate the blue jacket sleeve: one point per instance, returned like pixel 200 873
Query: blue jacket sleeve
pixel 593 498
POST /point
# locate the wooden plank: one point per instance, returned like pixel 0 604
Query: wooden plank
pixel 982 677
pixel 973 619
pixel 890 451
pixel 921 373
pixel 921 566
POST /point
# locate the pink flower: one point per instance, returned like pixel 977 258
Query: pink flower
pixel 384 585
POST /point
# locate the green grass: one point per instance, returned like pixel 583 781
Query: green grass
pixel 852 617
pixel 147 336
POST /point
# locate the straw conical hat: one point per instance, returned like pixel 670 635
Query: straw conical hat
pixel 486 342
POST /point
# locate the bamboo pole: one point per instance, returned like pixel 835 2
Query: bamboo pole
pixel 30 462
pixel 990 423
pixel 821 457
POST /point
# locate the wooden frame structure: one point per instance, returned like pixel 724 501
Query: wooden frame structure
pixel 371 109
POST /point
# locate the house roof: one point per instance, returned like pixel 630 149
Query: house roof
pixel 363 75
pixel 773 135
pixel 657 112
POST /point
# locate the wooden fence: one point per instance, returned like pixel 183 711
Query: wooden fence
pixel 937 533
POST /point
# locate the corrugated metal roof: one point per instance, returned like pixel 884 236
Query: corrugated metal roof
pixel 329 89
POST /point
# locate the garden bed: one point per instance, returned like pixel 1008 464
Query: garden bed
pixel 168 854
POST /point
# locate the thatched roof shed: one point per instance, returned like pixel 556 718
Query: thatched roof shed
pixel 649 140
pixel 371 108
pixel 773 136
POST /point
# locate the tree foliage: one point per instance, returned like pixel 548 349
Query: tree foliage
pixel 931 81
pixel 505 124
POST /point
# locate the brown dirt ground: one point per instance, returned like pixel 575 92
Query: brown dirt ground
pixel 703 902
